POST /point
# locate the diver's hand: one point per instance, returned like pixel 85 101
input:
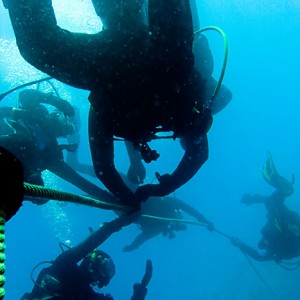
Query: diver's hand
pixel 139 291
pixel 210 226
pixel 166 184
pixel 247 199
pixel 61 104
pixel 143 192
pixel 156 190
pixel 128 248
pixel 133 201
pixel 136 172
pixel 72 147
pixel 68 147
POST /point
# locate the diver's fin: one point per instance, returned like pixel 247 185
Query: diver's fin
pixel 269 169
pixel 271 176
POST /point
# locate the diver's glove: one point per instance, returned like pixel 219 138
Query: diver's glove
pixel 247 199
pixel 136 172
pixel 210 226
pixel 60 104
pixel 128 248
pixel 140 289
pixel 165 187
pixel 72 147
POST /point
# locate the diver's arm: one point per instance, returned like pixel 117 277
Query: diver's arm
pixel 51 49
pixel 102 150
pixel 97 238
pixel 194 157
pixel 138 241
pixel 145 235
pixel 179 204
pixel 63 170
pixel 30 98
pixel 106 171
pixel 255 254
pixel 254 199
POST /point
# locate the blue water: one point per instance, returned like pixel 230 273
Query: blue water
pixel 263 73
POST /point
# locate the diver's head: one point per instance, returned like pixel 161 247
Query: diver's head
pixel 100 268
pixel 61 125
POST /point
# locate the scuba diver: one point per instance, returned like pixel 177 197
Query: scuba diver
pixel 281 234
pixel 74 273
pixel 140 71
pixel 30 133
pixel 167 207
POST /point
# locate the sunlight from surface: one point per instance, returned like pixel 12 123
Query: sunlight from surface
pixel 78 15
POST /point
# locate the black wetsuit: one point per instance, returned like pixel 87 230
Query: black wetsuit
pixel 280 235
pixel 32 142
pixel 140 77
pixel 64 279
pixel 168 207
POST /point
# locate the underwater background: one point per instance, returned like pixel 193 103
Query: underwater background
pixel 263 73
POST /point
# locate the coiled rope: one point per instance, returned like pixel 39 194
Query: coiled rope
pixel 2 255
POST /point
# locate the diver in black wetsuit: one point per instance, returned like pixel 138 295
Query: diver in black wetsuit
pixel 73 273
pixel 281 234
pixel 138 81
pixel 31 132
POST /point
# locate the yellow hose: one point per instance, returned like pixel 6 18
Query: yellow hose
pixel 214 28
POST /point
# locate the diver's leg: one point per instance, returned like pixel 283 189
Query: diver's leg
pixel 172 28
pixel 140 240
pixel 69 57
pixel 119 14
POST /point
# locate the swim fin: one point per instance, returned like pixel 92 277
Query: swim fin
pixel 271 175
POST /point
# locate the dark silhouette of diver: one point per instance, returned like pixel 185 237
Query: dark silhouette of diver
pixel 281 234
pixel 75 271
pixel 140 71
pixel 30 133
pixel 167 207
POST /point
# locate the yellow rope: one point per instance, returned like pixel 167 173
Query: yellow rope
pixel 47 193
pixel 2 255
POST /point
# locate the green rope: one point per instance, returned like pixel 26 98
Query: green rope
pixel 47 193
pixel 218 86
pixel 2 255
pixel 32 190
